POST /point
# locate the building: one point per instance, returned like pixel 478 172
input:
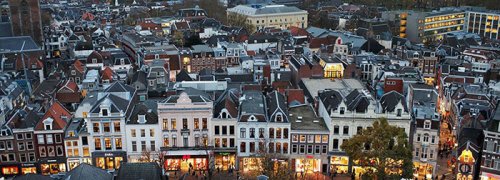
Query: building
pixel 186 119
pixel 76 139
pixel 263 127
pixel 17 144
pixel 422 101
pixel 202 58
pixel 422 27
pixel 485 24
pixel 106 119
pixel 143 133
pixel 489 160
pixel 49 132
pixel 26 19
pixel 309 142
pixel 278 16
pixel 223 129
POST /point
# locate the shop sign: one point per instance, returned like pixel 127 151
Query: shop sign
pixel 52 160
pixel 26 165
pixel 108 154
pixel 186 156
pixel 224 153
pixel 465 168
pixel 309 157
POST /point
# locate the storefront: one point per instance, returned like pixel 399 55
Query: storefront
pixel 225 160
pixel 423 170
pixel 251 164
pixel 308 165
pixel 109 160
pixel 74 162
pixel 183 160
pixel 18 169
pixel 339 164
pixel 52 166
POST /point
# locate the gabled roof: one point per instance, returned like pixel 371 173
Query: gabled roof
pixel 228 100
pixel 115 103
pixel 85 172
pixel 183 76
pixel 357 101
pixel 107 74
pixel 331 99
pixel 276 104
pixel 119 87
pixel 69 86
pixel 59 114
pixel 390 100
pixel 78 65
pixel 134 171
pixel 148 108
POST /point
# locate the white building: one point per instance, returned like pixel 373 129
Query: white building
pixel 143 132
pixel 106 125
pixel 185 123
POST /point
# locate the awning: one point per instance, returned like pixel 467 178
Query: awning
pixel 186 152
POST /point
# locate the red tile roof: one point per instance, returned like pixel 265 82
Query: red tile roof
pixel 57 112
pixel 78 65
pixel 296 31
pixel 107 74
pixel 69 86
pixel 88 16
pixel 317 42
pixel 295 95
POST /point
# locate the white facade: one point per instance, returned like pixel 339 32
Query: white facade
pixel 143 137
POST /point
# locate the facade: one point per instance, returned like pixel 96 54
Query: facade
pixel 143 133
pixel 106 121
pixel 263 127
pixel 76 140
pixel 18 151
pixel 309 142
pixel 185 124
pixel 422 27
pixel 490 157
pixel 202 58
pixel 485 24
pixel 278 16
pixel 223 129
pixel 26 19
pixel 49 133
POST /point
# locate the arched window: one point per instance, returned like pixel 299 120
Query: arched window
pixel 224 115
pixel 426 137
pixel 279 117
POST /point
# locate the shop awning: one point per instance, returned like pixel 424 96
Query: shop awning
pixel 186 152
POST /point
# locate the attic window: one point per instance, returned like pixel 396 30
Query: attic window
pixel 122 61
pixel 342 110
pixel 94 60
pixel 279 118
pixel 157 56
pixel 427 124
pixel 48 123
pixel 142 119
pixel 399 112
pixel 73 72
pixel 104 112
pixel 224 115
pixel 252 118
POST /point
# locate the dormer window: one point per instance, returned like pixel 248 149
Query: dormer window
pixel 223 115
pixel 142 119
pixel 104 112
pixel 73 72
pixel 94 61
pixel 252 118
pixel 47 123
pixel 342 110
pixel 122 61
pixel 279 118
pixel 399 112
pixel 427 124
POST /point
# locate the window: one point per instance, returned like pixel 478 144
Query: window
pixel 224 142
pixel 310 138
pixel 116 126
pixel 324 139
pixel 185 141
pixel 346 130
pixel 224 130
pixel 427 124
pixel 174 123
pixel 433 139
pixel 31 157
pixel 217 131
pixel 243 147
pixel 279 118
pixel 107 143
pixel 231 142
pixel 335 129
pixel 153 145
pixel 165 142
pixel 165 124
pixel 97 144
pixel 29 145
pixel 28 135
pixel 20 146
pixel 252 147
pixel 317 149
pixel 431 155
pixel 261 132
pixel 184 123
pixel 104 112
pixel 243 133
pixel 278 133
pixel 335 144
pixel 217 142
pixel 50 139
pixel 399 111
pixel 58 138
pixel 133 133
pixel 134 146
pixel 9 145
pixel 143 146
pixel 309 149
pixel 231 130
pixel 294 148
pixel 59 151
pixel 143 133
pixel 295 138
pixel 96 127
pixel 342 110
pixel 271 132
pixel 85 141
pixel 196 123
pixel 302 138
pixel 418 137
pixel 2 145
pixel 118 143
pixel 285 133
pixel 19 136
pixel 151 132
pixel 106 127
pixel 359 129
pixel 252 132
pixel 426 137
pixel 42 151
pixel 205 123
pixel 302 149
pixel 325 149
pixel 41 139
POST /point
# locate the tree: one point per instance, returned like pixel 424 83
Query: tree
pixel 384 148
pixel 239 20
pixel 178 38
pixel 271 165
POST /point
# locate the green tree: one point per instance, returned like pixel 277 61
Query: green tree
pixel 239 20
pixel 178 38
pixel 384 148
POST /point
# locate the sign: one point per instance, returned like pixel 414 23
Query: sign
pixel 52 160
pixel 26 165
pixel 224 153
pixel 108 154
pixel 186 156
pixel 465 168
pixel 309 156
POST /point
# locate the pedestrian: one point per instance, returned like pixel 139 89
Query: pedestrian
pixel 444 176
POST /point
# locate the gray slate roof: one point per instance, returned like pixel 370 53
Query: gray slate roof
pixel 138 171
pixel 86 172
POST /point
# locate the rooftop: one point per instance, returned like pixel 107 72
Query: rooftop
pixel 347 85
pixel 304 118
pixel 259 9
